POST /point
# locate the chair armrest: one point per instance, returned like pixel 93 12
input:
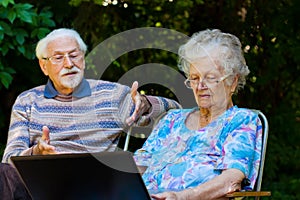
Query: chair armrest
pixel 249 194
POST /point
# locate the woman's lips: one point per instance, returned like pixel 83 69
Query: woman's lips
pixel 204 95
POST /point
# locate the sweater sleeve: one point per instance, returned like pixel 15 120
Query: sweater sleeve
pixel 18 140
pixel 159 106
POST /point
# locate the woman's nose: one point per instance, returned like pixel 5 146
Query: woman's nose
pixel 201 85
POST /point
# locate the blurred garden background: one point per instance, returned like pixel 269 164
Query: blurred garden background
pixel 268 30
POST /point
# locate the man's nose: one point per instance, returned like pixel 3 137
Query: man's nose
pixel 67 61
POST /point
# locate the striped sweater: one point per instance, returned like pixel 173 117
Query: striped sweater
pixel 91 123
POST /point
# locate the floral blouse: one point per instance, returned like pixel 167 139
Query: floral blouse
pixel 178 158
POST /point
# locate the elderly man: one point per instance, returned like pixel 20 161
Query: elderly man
pixel 71 114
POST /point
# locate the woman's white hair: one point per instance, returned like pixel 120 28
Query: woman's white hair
pixel 223 49
pixel 41 48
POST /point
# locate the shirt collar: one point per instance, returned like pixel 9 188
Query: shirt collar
pixel 82 90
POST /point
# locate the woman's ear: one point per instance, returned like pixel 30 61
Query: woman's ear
pixel 234 83
pixel 43 66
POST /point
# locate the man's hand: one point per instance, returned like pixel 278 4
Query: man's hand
pixel 43 146
pixel 142 105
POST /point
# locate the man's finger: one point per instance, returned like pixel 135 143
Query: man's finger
pixel 134 88
pixel 45 135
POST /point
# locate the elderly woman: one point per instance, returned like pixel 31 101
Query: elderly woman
pixel 207 151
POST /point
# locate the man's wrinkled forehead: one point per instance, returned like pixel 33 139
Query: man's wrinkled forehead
pixel 62 44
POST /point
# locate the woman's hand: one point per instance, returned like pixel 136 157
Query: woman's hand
pixel 182 195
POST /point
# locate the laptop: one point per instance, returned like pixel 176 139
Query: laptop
pixel 88 176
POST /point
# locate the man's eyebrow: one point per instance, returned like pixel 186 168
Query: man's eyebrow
pixel 63 52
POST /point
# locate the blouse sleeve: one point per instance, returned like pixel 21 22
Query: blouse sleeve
pixel 154 142
pixel 242 145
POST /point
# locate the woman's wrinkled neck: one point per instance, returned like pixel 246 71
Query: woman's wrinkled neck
pixel 207 115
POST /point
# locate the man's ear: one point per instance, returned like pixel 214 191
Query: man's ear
pixel 43 66
pixel 83 64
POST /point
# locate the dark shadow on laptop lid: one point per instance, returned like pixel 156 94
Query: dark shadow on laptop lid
pixel 105 175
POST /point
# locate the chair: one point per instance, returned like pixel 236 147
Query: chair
pixel 138 132
pixel 257 193
pixel 141 132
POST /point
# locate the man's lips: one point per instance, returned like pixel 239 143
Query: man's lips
pixel 70 73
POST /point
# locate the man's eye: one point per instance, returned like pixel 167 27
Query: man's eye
pixel 73 56
pixel 58 57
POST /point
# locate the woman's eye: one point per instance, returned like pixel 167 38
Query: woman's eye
pixel 210 77
pixel 194 78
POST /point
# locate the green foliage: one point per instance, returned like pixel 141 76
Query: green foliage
pixel 19 22
pixel 4 3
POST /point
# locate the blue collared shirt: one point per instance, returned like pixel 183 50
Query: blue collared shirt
pixel 82 90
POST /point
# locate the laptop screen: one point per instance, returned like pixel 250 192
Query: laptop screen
pixel 105 175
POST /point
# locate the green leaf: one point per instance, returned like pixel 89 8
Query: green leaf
pixel 11 46
pixel 20 39
pixel 6 28
pixel 23 6
pixel 5 79
pixel 10 70
pixel 4 3
pixel 25 16
pixel 40 32
pixel 21 49
pixel 20 35
pixel 1 66
pixel 24 13
pixel 45 13
pixel 45 18
pixel 11 15
pixel 4 50
pixel 1 35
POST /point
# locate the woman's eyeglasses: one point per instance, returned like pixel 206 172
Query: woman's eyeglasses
pixel 208 81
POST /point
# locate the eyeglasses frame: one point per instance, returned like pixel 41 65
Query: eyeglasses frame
pixel 217 81
pixel 80 55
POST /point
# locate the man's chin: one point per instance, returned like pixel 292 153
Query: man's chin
pixel 71 82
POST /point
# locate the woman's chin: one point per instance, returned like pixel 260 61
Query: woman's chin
pixel 204 104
